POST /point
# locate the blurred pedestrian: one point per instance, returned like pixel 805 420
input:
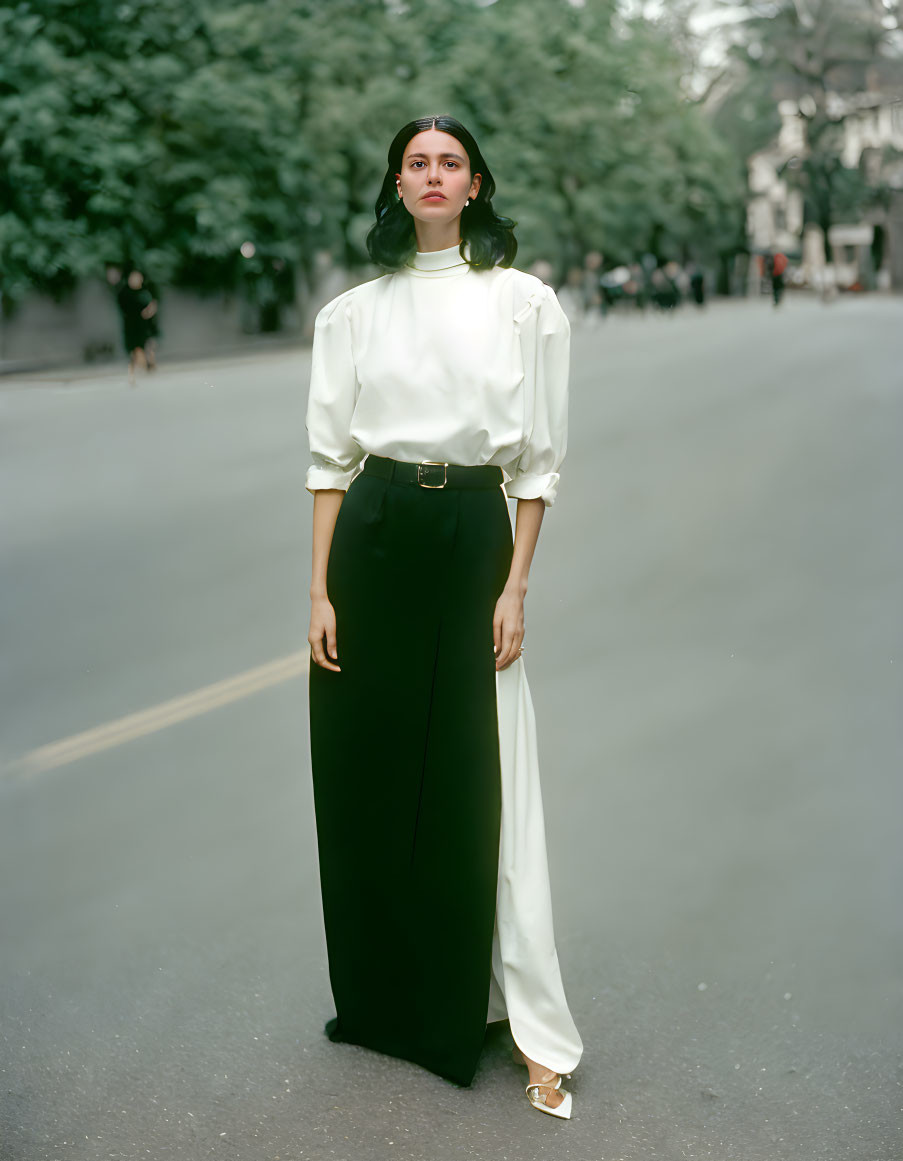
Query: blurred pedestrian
pixel 697 284
pixel 777 264
pixel 665 293
pixel 638 286
pixel 593 303
pixel 571 295
pixel 138 309
pixel 677 276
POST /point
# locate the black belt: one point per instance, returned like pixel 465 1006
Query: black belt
pixel 434 473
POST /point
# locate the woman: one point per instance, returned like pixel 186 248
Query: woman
pixel 429 386
pixel 138 308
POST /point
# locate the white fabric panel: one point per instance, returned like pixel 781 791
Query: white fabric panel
pixel 526 984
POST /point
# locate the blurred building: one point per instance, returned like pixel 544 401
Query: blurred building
pixel 774 213
pixel 864 107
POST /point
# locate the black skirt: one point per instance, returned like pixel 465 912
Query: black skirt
pixel 405 761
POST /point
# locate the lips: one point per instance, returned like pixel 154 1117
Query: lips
pixel 434 197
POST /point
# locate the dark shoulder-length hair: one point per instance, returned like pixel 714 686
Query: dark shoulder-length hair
pixel 392 240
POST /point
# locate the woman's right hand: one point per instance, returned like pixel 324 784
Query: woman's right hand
pixel 322 624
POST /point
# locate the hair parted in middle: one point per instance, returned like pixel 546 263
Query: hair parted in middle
pixel 392 239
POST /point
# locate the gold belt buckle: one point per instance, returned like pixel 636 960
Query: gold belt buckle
pixel 433 463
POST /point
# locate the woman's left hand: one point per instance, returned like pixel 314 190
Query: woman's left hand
pixel 508 628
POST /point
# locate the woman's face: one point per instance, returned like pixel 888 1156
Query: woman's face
pixel 436 163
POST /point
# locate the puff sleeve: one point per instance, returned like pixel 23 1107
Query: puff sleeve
pixel 545 333
pixel 334 386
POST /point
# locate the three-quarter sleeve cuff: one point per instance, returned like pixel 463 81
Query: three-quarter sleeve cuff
pixel 319 478
pixel 527 487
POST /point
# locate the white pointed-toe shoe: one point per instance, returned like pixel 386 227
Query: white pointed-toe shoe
pixel 538 1092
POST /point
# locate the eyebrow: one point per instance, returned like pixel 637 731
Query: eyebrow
pixel 456 156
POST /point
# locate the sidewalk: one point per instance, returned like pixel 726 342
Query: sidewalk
pixel 34 372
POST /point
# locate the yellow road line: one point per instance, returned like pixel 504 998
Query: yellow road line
pixel 159 717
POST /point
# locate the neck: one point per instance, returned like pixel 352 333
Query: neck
pixel 438 235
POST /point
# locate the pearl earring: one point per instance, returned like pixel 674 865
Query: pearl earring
pixel 467 203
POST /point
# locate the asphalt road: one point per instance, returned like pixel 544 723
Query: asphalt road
pixel 714 626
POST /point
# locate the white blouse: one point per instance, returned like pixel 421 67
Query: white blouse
pixel 438 361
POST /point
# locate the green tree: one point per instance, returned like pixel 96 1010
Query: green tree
pixel 178 136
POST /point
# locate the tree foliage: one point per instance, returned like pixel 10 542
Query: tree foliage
pixel 169 133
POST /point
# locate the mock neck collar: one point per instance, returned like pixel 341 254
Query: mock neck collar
pixel 430 263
